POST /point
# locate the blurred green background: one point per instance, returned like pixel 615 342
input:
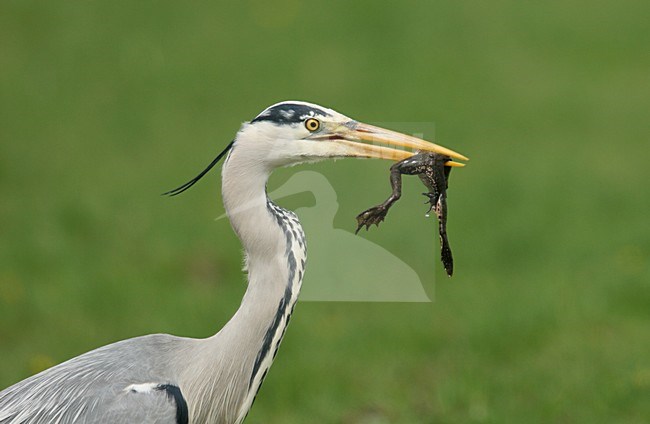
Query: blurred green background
pixel 105 104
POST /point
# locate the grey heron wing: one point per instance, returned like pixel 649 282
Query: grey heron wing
pixel 128 381
pixel 155 403
pixel 148 403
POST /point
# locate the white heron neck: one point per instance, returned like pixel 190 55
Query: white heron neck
pixel 274 246
pixel 244 195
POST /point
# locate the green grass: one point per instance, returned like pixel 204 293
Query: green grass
pixel 104 105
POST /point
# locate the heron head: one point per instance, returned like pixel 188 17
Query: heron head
pixel 293 132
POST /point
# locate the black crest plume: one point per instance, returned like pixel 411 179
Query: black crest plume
pixel 194 180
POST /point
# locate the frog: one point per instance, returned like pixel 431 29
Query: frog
pixel 434 174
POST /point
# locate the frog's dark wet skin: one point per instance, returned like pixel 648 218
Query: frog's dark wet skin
pixel 431 169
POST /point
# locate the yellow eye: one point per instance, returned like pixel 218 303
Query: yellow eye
pixel 312 124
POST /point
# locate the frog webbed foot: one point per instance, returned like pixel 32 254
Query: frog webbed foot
pixel 432 202
pixel 371 216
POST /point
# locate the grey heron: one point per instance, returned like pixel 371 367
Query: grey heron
pixel 161 378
